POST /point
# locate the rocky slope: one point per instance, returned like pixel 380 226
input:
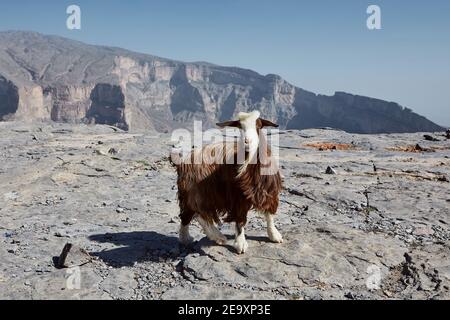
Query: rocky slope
pixel 378 228
pixel 52 78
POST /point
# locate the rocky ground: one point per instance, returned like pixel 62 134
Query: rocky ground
pixel 363 217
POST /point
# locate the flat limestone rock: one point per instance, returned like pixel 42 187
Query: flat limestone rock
pixel 125 242
pixel 205 292
pixel 339 257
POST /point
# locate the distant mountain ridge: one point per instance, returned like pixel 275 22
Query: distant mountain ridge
pixel 53 78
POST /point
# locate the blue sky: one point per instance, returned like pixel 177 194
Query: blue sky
pixel 323 46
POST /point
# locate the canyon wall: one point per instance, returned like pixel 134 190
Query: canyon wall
pixel 56 79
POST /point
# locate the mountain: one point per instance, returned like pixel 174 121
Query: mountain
pixel 53 78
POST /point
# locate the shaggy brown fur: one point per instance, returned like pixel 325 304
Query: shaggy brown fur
pixel 215 189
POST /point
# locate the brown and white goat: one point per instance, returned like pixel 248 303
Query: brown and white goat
pixel 221 185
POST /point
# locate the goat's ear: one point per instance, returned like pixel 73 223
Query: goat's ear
pixel 267 123
pixel 235 124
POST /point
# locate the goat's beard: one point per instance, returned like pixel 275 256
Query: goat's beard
pixel 251 157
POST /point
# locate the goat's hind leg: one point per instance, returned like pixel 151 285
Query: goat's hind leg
pixel 211 231
pixel 184 235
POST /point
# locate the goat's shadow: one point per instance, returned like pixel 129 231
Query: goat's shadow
pixel 138 246
pixel 142 246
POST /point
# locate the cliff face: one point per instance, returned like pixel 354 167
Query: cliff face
pixel 9 99
pixel 356 114
pixel 52 78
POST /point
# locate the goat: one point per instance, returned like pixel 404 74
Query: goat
pixel 220 186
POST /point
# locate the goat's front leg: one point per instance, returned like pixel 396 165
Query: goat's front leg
pixel 240 244
pixel 272 232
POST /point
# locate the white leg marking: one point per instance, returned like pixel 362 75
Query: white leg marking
pixel 272 232
pixel 185 237
pixel 240 244
pixel 211 231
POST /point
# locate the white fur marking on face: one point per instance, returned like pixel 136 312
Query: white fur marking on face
pixel 249 133
pixel 240 244
pixel 272 232
pixel 244 115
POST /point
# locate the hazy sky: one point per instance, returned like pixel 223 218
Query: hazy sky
pixel 323 46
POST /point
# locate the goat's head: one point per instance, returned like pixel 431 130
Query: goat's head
pixel 250 125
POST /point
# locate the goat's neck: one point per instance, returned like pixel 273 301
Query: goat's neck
pixel 253 160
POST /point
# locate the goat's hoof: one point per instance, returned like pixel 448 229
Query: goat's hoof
pixel 276 237
pixel 241 246
pixel 186 240
pixel 221 240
